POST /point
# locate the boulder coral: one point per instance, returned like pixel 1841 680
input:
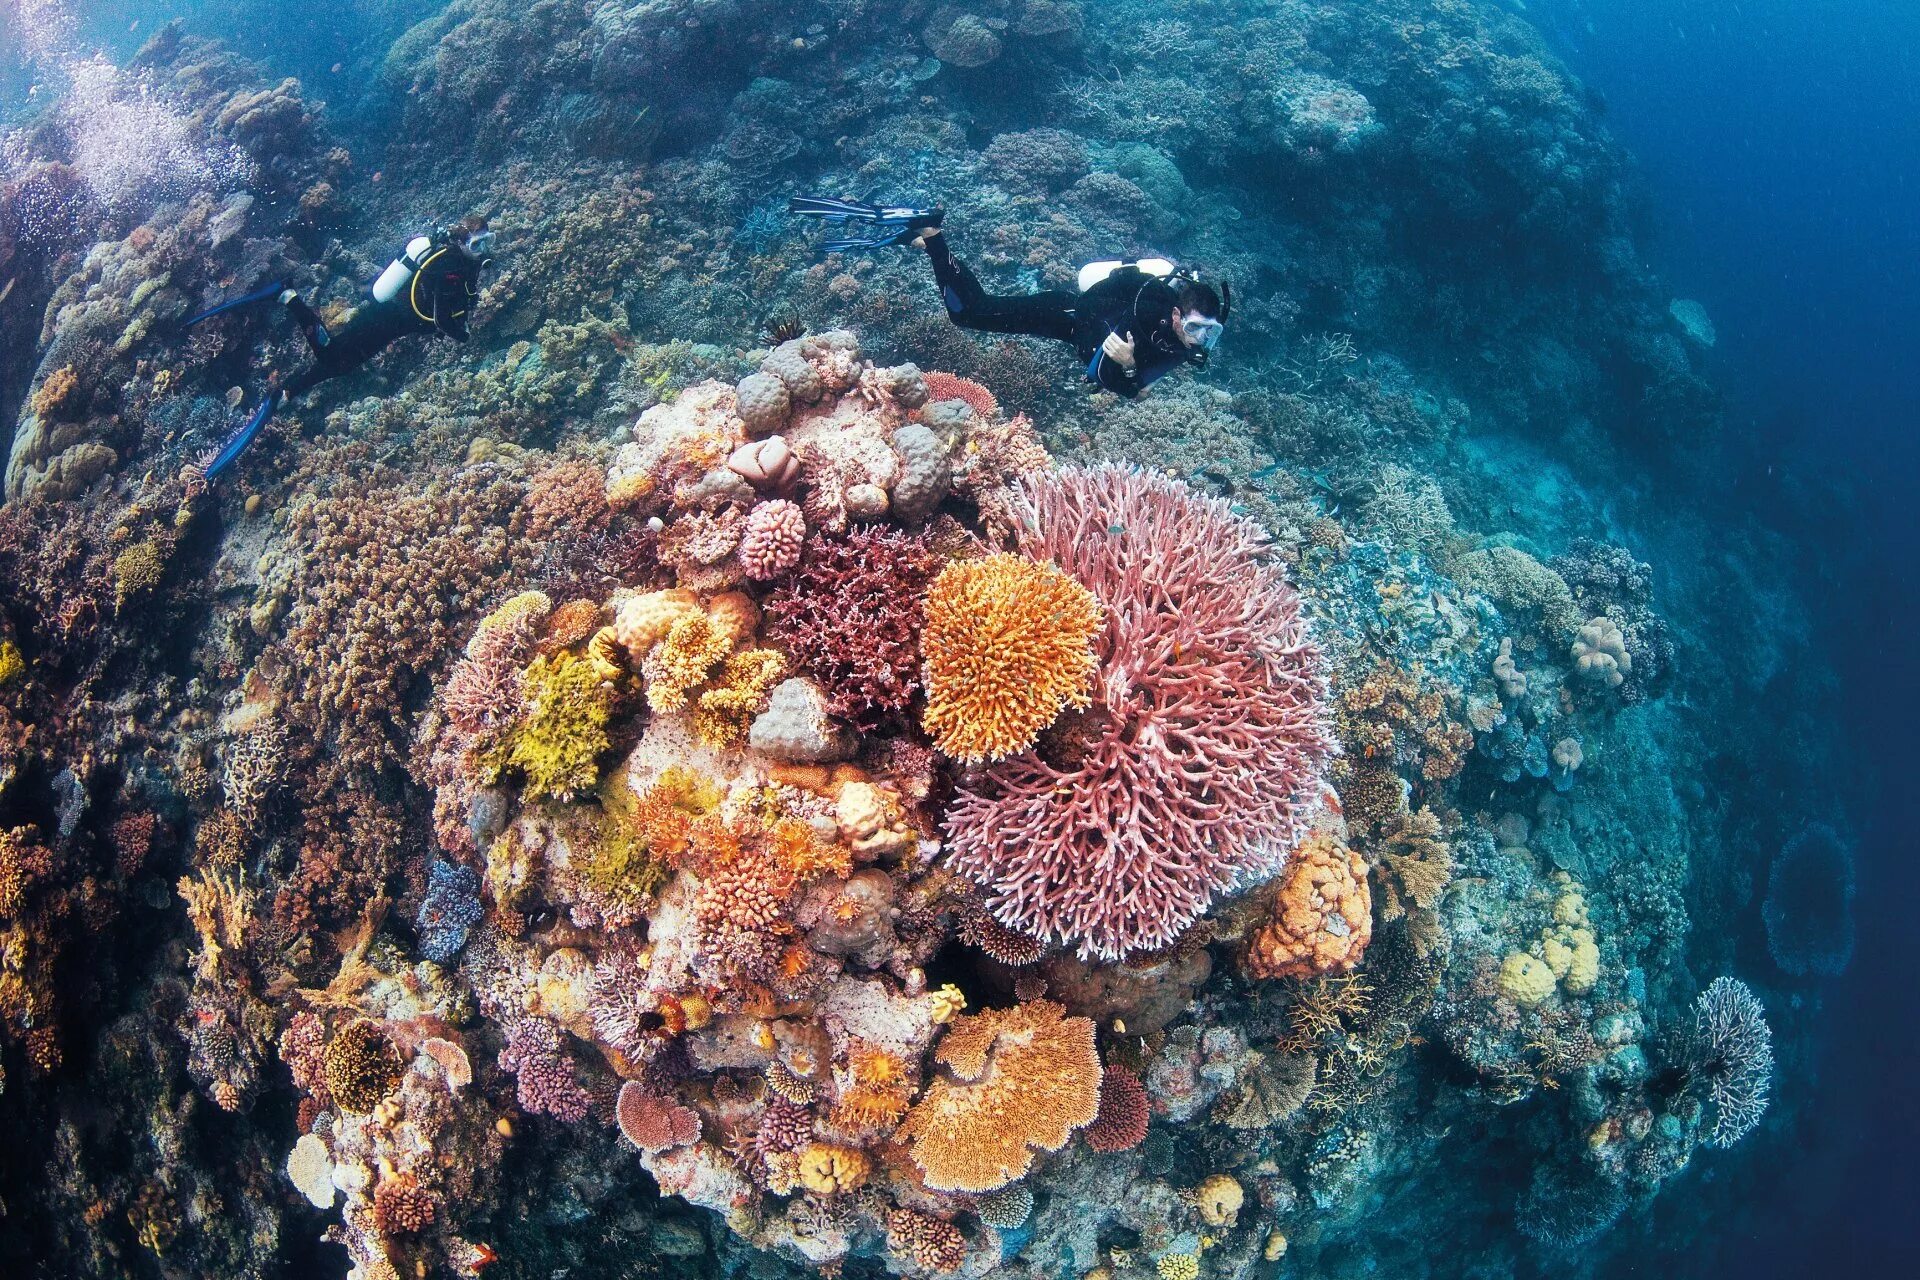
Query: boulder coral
pixel 1322 915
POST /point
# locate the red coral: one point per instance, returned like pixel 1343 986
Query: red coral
pixel 784 1126
pixel 950 386
pixel 653 1123
pixel 1199 766
pixel 851 615
pixel 303 1047
pixel 1121 1123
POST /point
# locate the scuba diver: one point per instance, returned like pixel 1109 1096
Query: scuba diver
pixel 428 289
pixel 1132 323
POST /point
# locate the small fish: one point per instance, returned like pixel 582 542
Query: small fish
pixel 1116 529
pixel 337 67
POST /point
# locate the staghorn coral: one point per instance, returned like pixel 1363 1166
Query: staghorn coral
pixel 1007 646
pixel 1322 916
pixel 1728 1060
pixel 1019 1079
pixel 851 615
pixel 1107 842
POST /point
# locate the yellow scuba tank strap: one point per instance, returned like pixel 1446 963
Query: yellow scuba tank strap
pixel 413 290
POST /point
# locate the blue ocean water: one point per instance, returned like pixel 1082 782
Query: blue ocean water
pixel 1781 145
pixel 1775 153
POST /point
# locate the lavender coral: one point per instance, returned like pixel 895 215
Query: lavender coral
pixel 1200 764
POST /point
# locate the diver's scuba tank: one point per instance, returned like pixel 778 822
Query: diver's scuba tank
pixel 1094 272
pixel 402 269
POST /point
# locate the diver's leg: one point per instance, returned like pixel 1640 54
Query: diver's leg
pixel 1039 315
pixel 312 327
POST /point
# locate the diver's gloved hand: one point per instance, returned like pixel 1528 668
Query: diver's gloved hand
pixel 1119 350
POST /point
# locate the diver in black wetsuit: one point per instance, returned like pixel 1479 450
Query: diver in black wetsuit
pixel 428 289
pixel 439 285
pixel 1131 322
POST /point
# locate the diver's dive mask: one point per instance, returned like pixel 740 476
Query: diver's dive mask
pixel 480 242
pixel 1201 331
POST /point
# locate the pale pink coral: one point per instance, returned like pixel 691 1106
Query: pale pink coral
pixel 653 1123
pixel 774 535
pixel 1199 766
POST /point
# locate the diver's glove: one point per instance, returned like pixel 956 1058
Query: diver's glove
pixel 891 225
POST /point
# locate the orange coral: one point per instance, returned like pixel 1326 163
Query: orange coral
pixel 570 624
pixel 1008 644
pixel 1021 1078
pixel 951 386
pixel 804 854
pixel 877 1089
pixel 1322 917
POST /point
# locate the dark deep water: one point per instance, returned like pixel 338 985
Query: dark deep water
pixel 1781 145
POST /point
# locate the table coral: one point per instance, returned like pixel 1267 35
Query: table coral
pixel 1020 1079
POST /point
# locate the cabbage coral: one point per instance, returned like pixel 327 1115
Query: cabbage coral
pixel 1020 1079
pixel 1200 763
pixel 1007 645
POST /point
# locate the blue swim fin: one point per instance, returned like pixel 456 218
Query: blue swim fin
pixel 237 442
pixel 890 224
pixel 258 295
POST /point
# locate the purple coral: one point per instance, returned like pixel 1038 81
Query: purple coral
pixel 850 616
pixel 450 908
pixel 546 1085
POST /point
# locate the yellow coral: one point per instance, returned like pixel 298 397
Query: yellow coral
pixel 136 571
pixel 1008 644
pixel 12 665
pixel 565 729
pixel 1219 1199
pixel 739 693
pixel 682 660
pixel 1525 979
pixel 608 657
pixel 528 605
pixel 1019 1079
pixel 948 1001
pixel 827 1170
pixel 1177 1266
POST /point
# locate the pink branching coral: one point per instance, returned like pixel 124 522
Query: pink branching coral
pixel 850 616
pixel 771 544
pixel 951 386
pixel 1199 766
pixel 546 1085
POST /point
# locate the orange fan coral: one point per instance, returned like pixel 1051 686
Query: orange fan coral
pixel 951 386
pixel 1022 1078
pixel 1008 644
pixel 1322 917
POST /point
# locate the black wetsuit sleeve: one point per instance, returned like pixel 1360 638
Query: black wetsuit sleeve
pixel 453 284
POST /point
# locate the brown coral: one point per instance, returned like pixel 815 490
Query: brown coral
pixel 360 1066
pixel 1008 645
pixel 926 1240
pixel 1322 915
pixel 401 1206
pixel 1020 1079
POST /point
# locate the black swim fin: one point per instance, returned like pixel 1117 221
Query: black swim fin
pixel 258 295
pixel 891 224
